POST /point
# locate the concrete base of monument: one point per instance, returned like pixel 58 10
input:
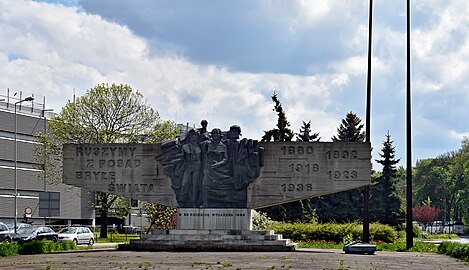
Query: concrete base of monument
pixel 212 240
pixel 213 229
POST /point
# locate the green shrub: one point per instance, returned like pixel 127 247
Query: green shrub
pixel 34 247
pixel 43 247
pixel 67 245
pixel 382 233
pixel 417 233
pixel 8 249
pixel 456 250
pixel 400 246
pixel 338 233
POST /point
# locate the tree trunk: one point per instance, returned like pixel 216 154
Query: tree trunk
pixel 103 230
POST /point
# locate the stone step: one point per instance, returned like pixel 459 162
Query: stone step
pixel 216 242
pixel 219 240
pixel 272 246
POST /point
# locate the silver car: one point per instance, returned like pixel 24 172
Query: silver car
pixel 79 235
pixel 5 235
pixel 18 226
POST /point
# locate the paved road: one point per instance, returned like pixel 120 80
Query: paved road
pixel 302 259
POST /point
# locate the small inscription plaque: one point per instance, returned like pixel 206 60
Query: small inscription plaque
pixel 214 219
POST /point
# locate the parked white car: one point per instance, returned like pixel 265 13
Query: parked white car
pixel 79 235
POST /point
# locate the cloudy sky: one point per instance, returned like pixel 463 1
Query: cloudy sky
pixel 222 60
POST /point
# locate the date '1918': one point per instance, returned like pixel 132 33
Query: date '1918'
pixel 307 168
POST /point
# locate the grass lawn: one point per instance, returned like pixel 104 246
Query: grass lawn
pixel 116 238
pixel 399 245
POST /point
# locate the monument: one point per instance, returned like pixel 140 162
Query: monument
pixel 215 180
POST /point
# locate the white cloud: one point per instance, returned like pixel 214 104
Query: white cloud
pixel 458 135
pixel 224 66
pixel 68 49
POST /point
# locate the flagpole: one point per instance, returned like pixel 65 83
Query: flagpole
pixel 366 190
pixel 409 223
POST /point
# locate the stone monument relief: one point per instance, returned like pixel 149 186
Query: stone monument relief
pixel 216 169
pixel 211 171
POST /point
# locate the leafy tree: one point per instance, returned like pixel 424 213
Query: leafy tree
pixel 346 205
pixel 305 134
pixel 282 133
pixel 386 204
pixel 432 179
pixel 446 180
pixel 105 114
pixel 425 214
pixel 159 216
pixel 459 172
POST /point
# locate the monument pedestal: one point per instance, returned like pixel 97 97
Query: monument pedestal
pixel 213 230
pixel 212 240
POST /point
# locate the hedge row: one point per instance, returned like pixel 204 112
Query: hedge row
pixel 35 247
pixel 338 233
pixel 455 250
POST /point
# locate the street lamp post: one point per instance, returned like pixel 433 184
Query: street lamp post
pixel 16 162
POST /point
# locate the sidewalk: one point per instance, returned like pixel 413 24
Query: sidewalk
pixel 463 240
pixel 319 259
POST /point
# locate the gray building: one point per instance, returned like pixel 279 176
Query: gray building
pixel 31 118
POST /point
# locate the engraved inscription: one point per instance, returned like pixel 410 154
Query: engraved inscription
pixel 297 150
pixel 296 187
pixel 306 168
pixel 337 154
pixel 104 163
pixel 310 167
pixel 342 175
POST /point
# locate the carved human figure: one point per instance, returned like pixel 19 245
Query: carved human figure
pixel 203 133
pixel 190 184
pixel 211 173
pixel 216 181
pixel 244 164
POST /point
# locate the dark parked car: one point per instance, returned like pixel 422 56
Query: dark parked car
pixel 27 234
pixel 5 235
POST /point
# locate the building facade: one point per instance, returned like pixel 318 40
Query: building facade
pixel 31 118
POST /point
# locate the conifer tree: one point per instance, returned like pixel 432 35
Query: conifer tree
pixel 350 130
pixel 386 204
pixel 282 133
pixel 305 134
